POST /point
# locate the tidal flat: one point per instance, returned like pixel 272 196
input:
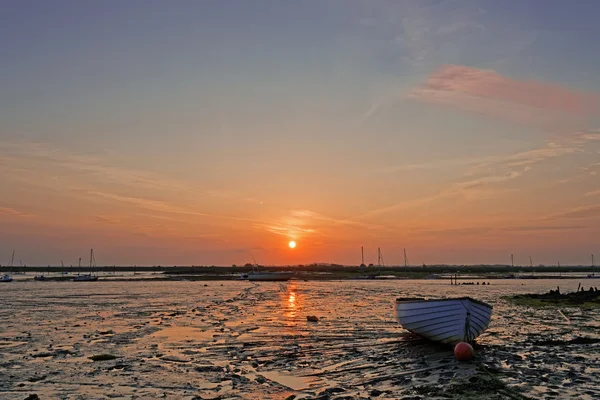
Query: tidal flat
pixel 243 340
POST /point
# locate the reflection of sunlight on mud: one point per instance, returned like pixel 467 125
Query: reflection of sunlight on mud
pixel 290 312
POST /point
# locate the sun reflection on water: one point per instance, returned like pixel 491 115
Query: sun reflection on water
pixel 291 306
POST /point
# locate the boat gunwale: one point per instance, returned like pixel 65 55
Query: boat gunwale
pixel 420 300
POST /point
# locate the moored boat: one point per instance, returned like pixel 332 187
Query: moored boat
pixel 446 321
pixel 87 277
pixel 6 278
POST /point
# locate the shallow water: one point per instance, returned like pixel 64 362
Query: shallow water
pixel 236 339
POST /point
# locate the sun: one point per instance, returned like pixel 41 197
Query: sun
pixel 292 244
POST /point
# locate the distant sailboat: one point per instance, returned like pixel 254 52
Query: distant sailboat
pixel 406 265
pixel 41 277
pixel 6 278
pixel 512 264
pixel 362 257
pixel 87 277
pixel 380 262
pixel 593 274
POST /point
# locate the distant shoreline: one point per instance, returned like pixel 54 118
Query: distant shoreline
pixel 459 279
pixel 315 269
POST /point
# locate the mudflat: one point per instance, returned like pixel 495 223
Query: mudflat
pixel 243 340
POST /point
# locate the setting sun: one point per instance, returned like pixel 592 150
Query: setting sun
pixel 292 244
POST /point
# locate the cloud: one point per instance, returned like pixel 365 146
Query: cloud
pixel 522 159
pixel 45 166
pixel 542 228
pixel 488 93
pixel 292 231
pixel 593 193
pixel 485 172
pixel 33 161
pixel 578 213
pixel 13 212
pixel 311 215
pixel 161 206
pixel 472 189
pixel 462 232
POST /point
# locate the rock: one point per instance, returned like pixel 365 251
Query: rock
pixel 312 318
pixel 32 397
pixel 43 354
pixel 291 397
pixel 328 392
pixel 174 359
pixel 375 393
pixel 102 357
pixel 208 368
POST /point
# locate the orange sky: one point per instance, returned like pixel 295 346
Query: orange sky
pixel 212 143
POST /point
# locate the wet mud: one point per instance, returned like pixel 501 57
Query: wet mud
pixel 242 340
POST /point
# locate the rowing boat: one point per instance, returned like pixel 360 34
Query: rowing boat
pixel 446 321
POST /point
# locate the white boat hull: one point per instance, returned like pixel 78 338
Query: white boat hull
pixel 446 321
pixel 270 276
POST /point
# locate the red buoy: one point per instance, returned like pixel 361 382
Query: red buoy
pixel 463 351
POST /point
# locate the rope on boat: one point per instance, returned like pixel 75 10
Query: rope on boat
pixel 468 327
pixel 467 335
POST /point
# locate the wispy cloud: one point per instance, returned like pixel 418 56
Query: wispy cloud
pixel 44 165
pixel 31 161
pixel 578 213
pixel 478 231
pixel 521 159
pixel 14 212
pixel 314 216
pixel 593 193
pixel 488 93
pixel 291 231
pixel 544 228
pixel 470 189
pixel 161 206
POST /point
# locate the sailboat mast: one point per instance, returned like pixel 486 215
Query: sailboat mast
pixel 12 259
pixel 362 255
pixel 406 267
pixel 378 257
pixel 512 260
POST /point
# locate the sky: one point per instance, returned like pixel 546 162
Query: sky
pixel 214 132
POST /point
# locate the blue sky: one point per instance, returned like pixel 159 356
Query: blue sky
pixel 204 129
